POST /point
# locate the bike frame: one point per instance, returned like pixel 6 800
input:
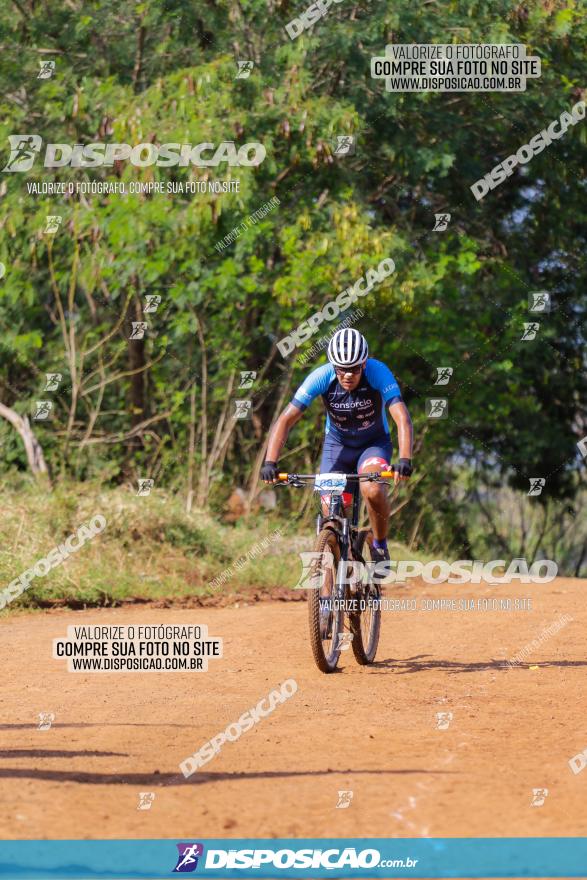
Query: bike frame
pixel 346 530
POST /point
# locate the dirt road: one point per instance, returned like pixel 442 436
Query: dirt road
pixel 372 730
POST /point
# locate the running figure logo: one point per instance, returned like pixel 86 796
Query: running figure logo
pixel 537 484
pixel 46 719
pixel 539 794
pixel 187 860
pixel 437 408
pixel 145 486
pixel 313 572
pixel 247 378
pixel 441 222
pixel 242 409
pixel 530 331
pixel 52 224
pixel 152 302
pixel 540 301
pixel 53 380
pixel 444 374
pixel 23 149
pixel 443 720
pixel 345 145
pixel 138 329
pixel 344 800
pixel 42 410
pixel 146 799
pixel 244 69
pixel 344 641
pixel 47 70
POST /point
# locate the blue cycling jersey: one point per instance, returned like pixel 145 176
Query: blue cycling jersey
pixel 353 417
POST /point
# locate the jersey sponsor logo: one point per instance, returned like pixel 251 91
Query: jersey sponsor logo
pixel 352 404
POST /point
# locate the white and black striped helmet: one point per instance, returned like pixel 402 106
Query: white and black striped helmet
pixel 347 348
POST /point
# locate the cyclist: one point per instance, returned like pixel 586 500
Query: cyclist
pixel 356 391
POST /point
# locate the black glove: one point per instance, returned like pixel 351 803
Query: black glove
pixel 269 472
pixel 404 467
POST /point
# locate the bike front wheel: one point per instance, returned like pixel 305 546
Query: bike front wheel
pixel 366 624
pixel 326 617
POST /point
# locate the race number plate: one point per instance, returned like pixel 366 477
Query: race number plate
pixel 334 484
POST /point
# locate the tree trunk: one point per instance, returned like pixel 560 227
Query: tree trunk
pixel 253 488
pixel 191 449
pixel 136 363
pixel 33 450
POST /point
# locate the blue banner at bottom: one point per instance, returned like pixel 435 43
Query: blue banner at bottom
pixel 303 858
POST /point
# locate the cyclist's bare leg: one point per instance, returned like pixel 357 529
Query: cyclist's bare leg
pixel 375 496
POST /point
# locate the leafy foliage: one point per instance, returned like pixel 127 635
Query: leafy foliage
pixel 165 72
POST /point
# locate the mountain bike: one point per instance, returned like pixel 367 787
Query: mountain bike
pixel 333 594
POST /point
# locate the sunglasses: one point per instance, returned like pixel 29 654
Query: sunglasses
pixel 341 371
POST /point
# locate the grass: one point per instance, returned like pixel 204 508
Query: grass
pixel 150 550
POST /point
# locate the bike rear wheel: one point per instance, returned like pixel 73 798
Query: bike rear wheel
pixel 326 621
pixel 366 624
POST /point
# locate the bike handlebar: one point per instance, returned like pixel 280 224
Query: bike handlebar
pixel 369 476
